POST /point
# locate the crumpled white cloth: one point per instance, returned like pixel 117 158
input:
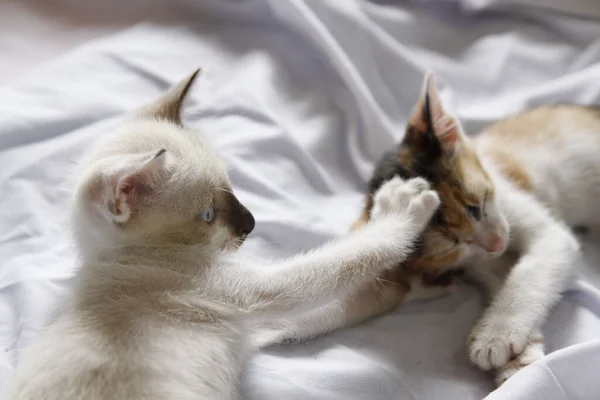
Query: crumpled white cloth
pixel 301 97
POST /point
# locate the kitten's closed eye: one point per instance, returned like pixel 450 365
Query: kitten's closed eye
pixel 208 215
pixel 475 212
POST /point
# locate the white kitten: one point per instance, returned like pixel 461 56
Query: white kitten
pixel 161 303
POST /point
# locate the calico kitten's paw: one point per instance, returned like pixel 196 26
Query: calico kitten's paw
pixel 534 350
pixel 493 343
pixel 409 199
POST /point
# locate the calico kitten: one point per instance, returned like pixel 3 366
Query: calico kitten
pixel 507 198
pixel 161 302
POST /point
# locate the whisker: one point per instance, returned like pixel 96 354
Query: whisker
pixel 261 241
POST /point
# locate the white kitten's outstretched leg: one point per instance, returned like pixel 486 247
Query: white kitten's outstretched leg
pixel 548 251
pixel 401 211
pixel 371 299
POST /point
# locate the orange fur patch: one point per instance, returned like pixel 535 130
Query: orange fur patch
pixel 365 216
pixel 540 124
pixel 509 141
pixel 359 223
pixel 511 169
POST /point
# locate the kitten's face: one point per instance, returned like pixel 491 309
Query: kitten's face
pixel 153 182
pixel 469 223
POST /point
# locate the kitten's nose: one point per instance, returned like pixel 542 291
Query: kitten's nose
pixel 494 244
pixel 247 223
pixel 240 218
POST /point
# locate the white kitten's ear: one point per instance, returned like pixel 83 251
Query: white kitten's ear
pixel 128 183
pixel 430 117
pixel 168 106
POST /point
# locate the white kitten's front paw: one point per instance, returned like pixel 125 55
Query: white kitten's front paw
pixel 492 345
pixel 411 199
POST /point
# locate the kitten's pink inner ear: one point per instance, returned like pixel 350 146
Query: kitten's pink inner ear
pixel 135 185
pixel 445 126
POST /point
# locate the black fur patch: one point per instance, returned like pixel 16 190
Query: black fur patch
pixel 387 168
pixel 417 155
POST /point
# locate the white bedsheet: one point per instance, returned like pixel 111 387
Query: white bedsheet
pixel 35 31
pixel 301 97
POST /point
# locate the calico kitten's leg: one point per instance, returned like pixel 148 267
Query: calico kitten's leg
pixel 534 350
pixel 489 283
pixel 400 213
pixel 548 251
pixel 382 295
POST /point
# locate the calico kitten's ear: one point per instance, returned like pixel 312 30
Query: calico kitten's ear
pixel 168 106
pixel 128 182
pixel 430 117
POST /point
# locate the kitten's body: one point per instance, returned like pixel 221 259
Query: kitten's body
pixel 526 178
pixel 551 152
pixel 161 307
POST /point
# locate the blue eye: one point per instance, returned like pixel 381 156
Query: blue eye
pixel 208 215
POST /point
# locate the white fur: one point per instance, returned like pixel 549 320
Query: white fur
pixel 157 319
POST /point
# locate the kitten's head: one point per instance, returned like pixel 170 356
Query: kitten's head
pixel 153 182
pixel 468 223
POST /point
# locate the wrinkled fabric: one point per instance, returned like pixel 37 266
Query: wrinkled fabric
pixel 301 97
